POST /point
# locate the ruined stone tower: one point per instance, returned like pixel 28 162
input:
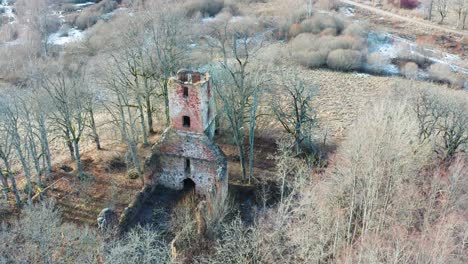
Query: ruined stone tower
pixel 186 154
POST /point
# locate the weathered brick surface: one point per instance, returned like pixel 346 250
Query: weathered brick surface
pixel 181 145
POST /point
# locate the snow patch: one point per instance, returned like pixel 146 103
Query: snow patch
pixel 62 38
pixel 8 11
pixel 390 45
pixel 85 4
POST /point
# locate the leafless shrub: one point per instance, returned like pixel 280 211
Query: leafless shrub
pixel 345 60
pixel 340 42
pixel 294 30
pixel 141 245
pixel 376 62
pixel 410 70
pixel 443 119
pixel 272 54
pixel 40 237
pixel 312 51
pixel 69 8
pixel 236 245
pixel 204 7
pixel 9 32
pixel 355 30
pixel 86 19
pixel 311 59
pixel 440 72
pixel 320 22
pixel 408 54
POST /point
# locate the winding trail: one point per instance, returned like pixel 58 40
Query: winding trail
pixel 425 24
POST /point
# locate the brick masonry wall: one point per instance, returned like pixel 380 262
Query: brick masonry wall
pixel 190 106
pixel 203 173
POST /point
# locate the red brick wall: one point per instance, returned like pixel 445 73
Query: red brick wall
pixel 180 106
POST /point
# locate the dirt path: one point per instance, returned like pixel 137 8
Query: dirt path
pixel 406 19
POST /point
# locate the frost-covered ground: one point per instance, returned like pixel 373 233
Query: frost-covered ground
pixel 8 10
pixel 65 37
pixel 390 46
pixel 84 4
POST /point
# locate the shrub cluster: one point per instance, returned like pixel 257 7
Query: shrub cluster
pixel 325 41
pixel 91 15
pixel 207 8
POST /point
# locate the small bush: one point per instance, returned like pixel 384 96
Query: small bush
pixel 86 20
pixel 311 59
pixel 107 6
pixel 272 54
pixel 376 62
pixel 356 30
pixel 294 30
pixel 340 42
pixel 345 60
pixel 133 174
pixel 407 54
pixel 140 245
pixel 53 24
pixel 206 7
pixel 440 72
pixel 320 22
pixel 69 8
pixel 9 32
pixel 410 70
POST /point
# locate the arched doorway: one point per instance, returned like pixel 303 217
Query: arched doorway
pixel 189 185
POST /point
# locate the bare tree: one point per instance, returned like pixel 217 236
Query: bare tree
pixel 32 140
pixel 443 118
pixel 40 114
pixel 169 40
pixel 6 146
pixel 35 14
pixel 461 9
pixel 69 113
pixel 237 82
pixel 442 8
pixel 92 100
pixel 295 112
pixel 120 105
pixel 12 118
pixel 430 8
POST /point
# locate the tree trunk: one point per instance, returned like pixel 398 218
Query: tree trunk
pixel 149 112
pixel 96 138
pixel 14 189
pixel 79 166
pixel 26 169
pixel 36 160
pixel 442 18
pixel 465 15
pixel 45 149
pixel 166 103
pixel 136 161
pixel 240 148
pixel 431 6
pixel 71 149
pixel 142 120
pixel 253 114
pixel 4 180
